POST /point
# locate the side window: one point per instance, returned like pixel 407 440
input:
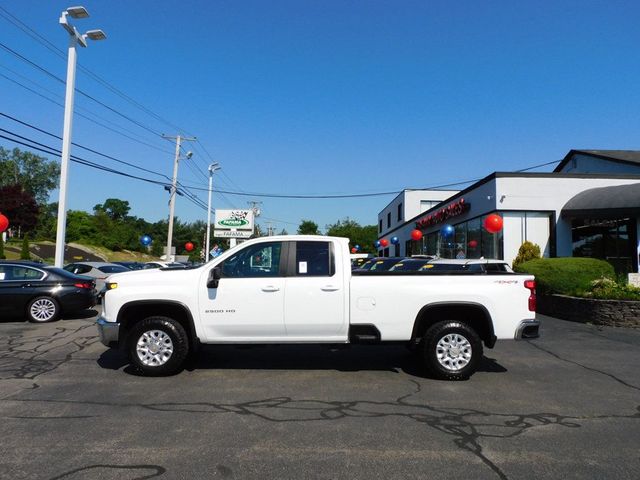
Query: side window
pixel 261 260
pixel 17 273
pixel 314 259
pixel 80 269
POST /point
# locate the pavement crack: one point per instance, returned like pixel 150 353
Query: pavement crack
pixel 591 369
pixel 465 427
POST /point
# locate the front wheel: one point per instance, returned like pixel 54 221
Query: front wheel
pixel 451 350
pixel 158 346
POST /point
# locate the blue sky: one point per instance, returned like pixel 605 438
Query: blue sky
pixel 328 97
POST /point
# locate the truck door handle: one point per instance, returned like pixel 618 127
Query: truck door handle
pixel 270 288
pixel 329 288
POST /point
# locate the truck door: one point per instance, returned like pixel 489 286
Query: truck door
pixel 248 304
pixel 315 306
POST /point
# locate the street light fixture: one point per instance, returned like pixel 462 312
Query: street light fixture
pixel 75 39
pixel 212 168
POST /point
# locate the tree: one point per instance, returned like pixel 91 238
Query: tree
pixel 307 227
pixel 527 251
pixel 24 253
pixel 2 256
pixel 357 234
pixel 115 208
pixel 19 206
pixel 35 174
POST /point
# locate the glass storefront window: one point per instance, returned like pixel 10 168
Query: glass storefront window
pixel 608 240
pixel 469 240
pixel 474 238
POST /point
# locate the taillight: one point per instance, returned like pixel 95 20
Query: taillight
pixel 531 285
pixel 83 285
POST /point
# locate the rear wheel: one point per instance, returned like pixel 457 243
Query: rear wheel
pixel 43 309
pixel 451 350
pixel 158 346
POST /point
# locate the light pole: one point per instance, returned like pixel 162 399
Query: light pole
pixel 212 168
pixel 174 189
pixel 75 39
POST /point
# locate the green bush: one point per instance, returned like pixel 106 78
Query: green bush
pixel 605 288
pixel 566 276
pixel 527 251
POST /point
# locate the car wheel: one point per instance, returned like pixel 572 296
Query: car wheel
pixel 158 346
pixel 43 309
pixel 451 350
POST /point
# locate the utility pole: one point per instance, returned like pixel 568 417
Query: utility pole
pixel 172 198
pixel 269 229
pixel 212 168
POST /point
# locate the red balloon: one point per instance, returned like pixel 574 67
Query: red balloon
pixel 354 250
pixel 4 223
pixel 416 235
pixel 493 223
pixel 473 244
pixel 189 246
pixel 384 242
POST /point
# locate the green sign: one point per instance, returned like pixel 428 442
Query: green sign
pixel 233 223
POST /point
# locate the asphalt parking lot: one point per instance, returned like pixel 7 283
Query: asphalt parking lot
pixel 564 406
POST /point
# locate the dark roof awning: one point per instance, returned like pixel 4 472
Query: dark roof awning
pixel 605 202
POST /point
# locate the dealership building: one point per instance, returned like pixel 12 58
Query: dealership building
pixel 589 206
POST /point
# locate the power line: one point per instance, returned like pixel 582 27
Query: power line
pixel 50 46
pixel 83 115
pixel 81 92
pixel 80 146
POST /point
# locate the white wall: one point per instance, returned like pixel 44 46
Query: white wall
pixel 525 226
pixel 410 200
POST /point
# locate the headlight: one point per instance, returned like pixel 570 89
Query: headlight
pixel 111 285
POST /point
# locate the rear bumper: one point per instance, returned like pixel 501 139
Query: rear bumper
pixel 528 329
pixel 108 331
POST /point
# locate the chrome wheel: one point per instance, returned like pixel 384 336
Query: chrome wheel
pixel 154 348
pixel 42 310
pixel 453 352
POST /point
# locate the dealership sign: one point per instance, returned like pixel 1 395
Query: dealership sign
pixel 440 216
pixel 233 224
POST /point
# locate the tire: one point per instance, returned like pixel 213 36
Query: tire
pixel 451 350
pixel 157 346
pixel 43 309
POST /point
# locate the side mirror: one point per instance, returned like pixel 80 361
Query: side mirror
pixel 214 277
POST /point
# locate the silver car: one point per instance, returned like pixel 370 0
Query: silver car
pixel 98 270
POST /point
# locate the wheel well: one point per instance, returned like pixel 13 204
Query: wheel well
pixel 132 313
pixel 474 315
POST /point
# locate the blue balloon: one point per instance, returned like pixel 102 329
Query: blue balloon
pixel 146 240
pixel 376 244
pixel 447 231
pixel 395 240
pixel 357 247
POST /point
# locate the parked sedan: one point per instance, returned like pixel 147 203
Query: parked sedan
pixel 131 265
pixel 42 293
pixel 409 265
pixel 379 264
pixel 98 270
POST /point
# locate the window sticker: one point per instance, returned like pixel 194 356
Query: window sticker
pixel 302 267
pixel 2 274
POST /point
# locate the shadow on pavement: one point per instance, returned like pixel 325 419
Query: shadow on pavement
pixel 299 357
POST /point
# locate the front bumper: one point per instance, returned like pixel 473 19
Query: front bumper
pixel 109 332
pixel 528 329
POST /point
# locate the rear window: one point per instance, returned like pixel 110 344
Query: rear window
pixel 314 259
pixel 112 269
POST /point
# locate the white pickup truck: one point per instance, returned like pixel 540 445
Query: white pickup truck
pixel 300 289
